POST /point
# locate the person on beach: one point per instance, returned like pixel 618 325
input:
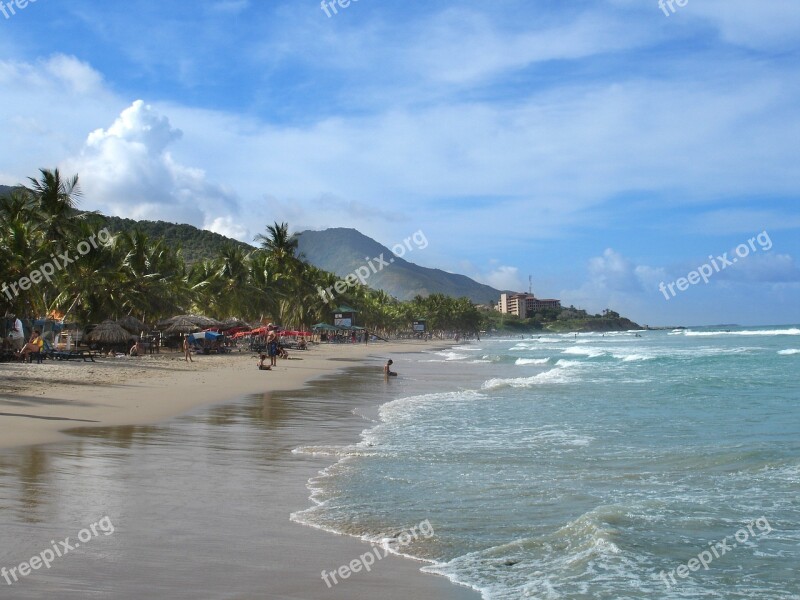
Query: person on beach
pixel 272 345
pixel 387 369
pixel 34 346
pixel 262 366
pixel 187 350
pixel 16 337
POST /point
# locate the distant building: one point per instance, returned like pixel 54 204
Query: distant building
pixel 524 304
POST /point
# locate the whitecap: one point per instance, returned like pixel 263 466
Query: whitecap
pixel 770 332
pixel 531 361
pixel 588 352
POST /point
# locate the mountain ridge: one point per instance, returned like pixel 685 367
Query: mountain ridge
pixel 343 250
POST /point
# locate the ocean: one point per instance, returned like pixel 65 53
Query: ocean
pixel 659 464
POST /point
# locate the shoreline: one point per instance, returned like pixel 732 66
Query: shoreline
pixel 121 392
pixel 38 403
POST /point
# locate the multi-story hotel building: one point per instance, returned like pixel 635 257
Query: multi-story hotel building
pixel 524 304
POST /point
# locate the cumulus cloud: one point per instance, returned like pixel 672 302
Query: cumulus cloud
pixel 614 272
pixel 616 282
pixel 127 170
pixel 504 278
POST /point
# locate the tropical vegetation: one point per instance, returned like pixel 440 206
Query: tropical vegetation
pixel 133 273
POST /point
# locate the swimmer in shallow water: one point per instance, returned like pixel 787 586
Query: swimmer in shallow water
pixel 387 369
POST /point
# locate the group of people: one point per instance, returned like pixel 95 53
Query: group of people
pixel 16 341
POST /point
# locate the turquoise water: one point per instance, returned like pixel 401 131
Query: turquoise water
pixel 588 467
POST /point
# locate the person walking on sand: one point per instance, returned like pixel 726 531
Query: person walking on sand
pixel 187 351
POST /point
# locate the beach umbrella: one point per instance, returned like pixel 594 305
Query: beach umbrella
pixel 182 326
pixel 199 320
pixel 132 324
pixel 206 335
pixel 233 323
pixel 109 332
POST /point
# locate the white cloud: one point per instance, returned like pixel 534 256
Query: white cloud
pixel 503 278
pixel 465 47
pixel 127 170
pixel 614 272
pixel 761 25
pixel 618 283
pixel 229 228
pixel 46 108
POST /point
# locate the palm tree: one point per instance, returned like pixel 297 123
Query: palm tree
pixel 22 249
pixel 278 244
pixel 57 199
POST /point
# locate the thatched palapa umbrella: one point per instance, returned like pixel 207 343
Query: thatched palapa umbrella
pixel 183 326
pixel 231 323
pixel 132 324
pixel 109 332
pixel 199 320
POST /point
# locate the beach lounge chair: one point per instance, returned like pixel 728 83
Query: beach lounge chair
pixel 85 355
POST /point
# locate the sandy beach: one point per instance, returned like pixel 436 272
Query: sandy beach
pixel 39 402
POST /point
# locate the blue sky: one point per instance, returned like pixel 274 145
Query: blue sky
pixel 602 147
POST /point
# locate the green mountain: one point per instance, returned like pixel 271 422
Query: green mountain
pixel 197 244
pixel 342 251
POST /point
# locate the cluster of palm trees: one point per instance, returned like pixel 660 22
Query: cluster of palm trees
pixel 132 274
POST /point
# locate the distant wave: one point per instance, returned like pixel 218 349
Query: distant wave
pixel 632 357
pixel 448 356
pixel 790 331
pixel 588 352
pixel 789 352
pixel 531 361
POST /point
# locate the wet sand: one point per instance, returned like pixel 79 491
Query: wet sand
pixel 37 402
pixel 200 503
